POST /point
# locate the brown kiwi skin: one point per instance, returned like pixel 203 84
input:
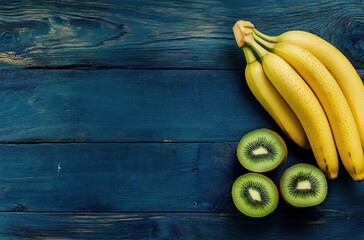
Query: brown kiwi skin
pixel 284 144
pixel 281 190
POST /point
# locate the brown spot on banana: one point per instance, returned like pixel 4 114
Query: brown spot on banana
pixel 326 166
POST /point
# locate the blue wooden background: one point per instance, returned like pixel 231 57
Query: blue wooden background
pixel 120 119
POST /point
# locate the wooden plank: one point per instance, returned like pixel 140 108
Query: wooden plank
pixel 116 177
pixel 297 224
pixel 139 177
pixel 161 34
pixel 127 106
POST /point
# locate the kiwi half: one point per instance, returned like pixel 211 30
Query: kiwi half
pixel 255 195
pixel 303 185
pixel 261 150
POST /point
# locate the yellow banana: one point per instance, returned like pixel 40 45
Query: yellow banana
pixel 304 104
pixel 272 102
pixel 332 99
pixel 338 65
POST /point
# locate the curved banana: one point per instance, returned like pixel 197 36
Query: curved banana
pixel 332 99
pixel 304 104
pixel 272 102
pixel 338 65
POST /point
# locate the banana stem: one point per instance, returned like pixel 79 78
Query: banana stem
pixel 249 55
pixel 264 43
pixel 253 44
pixel 265 37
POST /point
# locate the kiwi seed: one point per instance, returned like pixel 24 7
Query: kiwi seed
pixel 261 150
pixel 255 195
pixel 303 185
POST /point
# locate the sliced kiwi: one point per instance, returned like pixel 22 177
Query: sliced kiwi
pixel 261 150
pixel 303 185
pixel 255 195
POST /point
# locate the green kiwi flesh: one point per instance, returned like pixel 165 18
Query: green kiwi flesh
pixel 255 195
pixel 261 150
pixel 303 185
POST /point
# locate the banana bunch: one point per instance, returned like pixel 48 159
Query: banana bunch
pixel 312 92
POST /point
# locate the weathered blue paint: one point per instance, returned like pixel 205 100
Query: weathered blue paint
pixel 162 34
pixel 292 224
pixel 127 106
pixel 120 120
pixel 137 177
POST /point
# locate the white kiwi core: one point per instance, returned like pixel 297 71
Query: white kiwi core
pixel 255 195
pixel 260 151
pixel 304 185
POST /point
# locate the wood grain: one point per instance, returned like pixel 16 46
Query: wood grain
pixel 127 106
pixel 117 177
pixel 66 226
pixel 162 34
pixel 139 177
